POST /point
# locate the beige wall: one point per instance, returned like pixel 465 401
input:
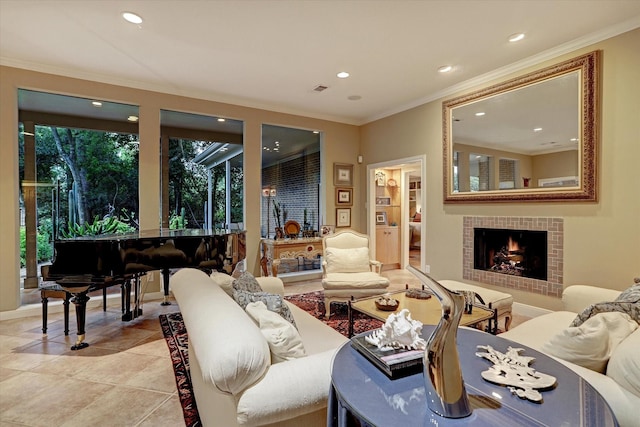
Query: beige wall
pixel 602 240
pixel 340 144
pixel 554 165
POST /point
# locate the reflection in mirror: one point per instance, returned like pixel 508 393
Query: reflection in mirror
pixel 531 138
pixel 202 173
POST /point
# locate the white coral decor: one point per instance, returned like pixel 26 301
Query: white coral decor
pixel 399 331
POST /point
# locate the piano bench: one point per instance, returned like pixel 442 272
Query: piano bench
pixel 53 290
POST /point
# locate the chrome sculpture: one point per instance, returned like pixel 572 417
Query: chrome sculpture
pixel 444 385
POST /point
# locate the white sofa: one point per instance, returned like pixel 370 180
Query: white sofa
pixel 620 384
pixel 234 381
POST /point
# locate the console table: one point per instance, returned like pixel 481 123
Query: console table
pixel 360 390
pixel 275 250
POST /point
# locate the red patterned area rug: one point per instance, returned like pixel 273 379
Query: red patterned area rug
pixel 313 303
pixel 176 336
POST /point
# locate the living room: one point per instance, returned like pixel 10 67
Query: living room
pixel 600 238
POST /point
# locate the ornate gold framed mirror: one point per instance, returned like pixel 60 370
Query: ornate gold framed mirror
pixel 531 138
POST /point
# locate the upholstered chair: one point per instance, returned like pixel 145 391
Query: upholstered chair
pixel 348 270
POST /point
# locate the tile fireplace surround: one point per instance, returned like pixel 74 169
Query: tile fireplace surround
pixel 555 242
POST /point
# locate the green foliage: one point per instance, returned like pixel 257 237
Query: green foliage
pixel 178 222
pixel 43 242
pixel 187 181
pixel 109 225
pixel 106 164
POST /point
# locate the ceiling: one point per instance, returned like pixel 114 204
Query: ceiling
pixel 272 54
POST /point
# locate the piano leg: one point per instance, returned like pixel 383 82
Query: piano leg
pixel 137 311
pixel 165 280
pixel 80 301
pixel 126 304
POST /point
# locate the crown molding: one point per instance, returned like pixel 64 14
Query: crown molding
pixel 546 55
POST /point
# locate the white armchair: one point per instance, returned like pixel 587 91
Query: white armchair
pixel 347 269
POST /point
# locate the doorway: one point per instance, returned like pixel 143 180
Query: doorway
pixel 396 196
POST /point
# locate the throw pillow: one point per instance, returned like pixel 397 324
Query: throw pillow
pixel 624 365
pixel 283 339
pixel 224 281
pixel 273 302
pixel 593 342
pixel 246 282
pixel 354 260
pixel 627 302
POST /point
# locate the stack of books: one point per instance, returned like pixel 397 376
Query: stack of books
pixel 395 363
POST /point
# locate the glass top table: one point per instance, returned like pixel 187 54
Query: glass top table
pixel 427 311
pixel 362 391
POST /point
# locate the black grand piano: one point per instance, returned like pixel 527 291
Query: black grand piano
pixel 85 264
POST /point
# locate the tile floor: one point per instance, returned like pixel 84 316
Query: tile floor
pixel 124 378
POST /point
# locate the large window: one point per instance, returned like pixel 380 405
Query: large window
pixel 78 172
pixel 202 171
pixel 290 186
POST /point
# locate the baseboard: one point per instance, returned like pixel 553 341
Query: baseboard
pixel 529 310
pixel 55 306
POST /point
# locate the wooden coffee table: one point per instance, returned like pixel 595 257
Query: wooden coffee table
pixel 427 311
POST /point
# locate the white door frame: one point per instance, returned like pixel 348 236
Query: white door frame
pixel 404 209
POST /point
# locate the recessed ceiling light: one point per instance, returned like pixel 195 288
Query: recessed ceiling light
pixel 132 17
pixel 96 103
pixel 516 37
pixel 342 75
pixel 445 69
pixel 220 119
pixel 537 129
pixel 316 131
pixel 480 113
pixel 132 118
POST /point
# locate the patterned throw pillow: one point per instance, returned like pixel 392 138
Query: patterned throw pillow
pixel 627 302
pixel 274 302
pixel 246 282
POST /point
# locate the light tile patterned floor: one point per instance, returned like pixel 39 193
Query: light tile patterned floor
pixel 124 378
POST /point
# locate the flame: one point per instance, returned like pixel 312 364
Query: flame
pixel 512 245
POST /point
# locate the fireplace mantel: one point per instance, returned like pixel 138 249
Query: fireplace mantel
pixel 555 242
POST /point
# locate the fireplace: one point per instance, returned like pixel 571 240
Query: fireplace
pixel 546 258
pixel 513 252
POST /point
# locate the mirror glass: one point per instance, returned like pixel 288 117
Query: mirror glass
pixel 530 138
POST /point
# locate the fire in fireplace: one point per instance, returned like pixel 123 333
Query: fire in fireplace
pixel 515 252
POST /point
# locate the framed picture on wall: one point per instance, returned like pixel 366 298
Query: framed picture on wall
pixel 343 174
pixel 381 218
pixel 343 217
pixel 383 201
pixel 344 196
